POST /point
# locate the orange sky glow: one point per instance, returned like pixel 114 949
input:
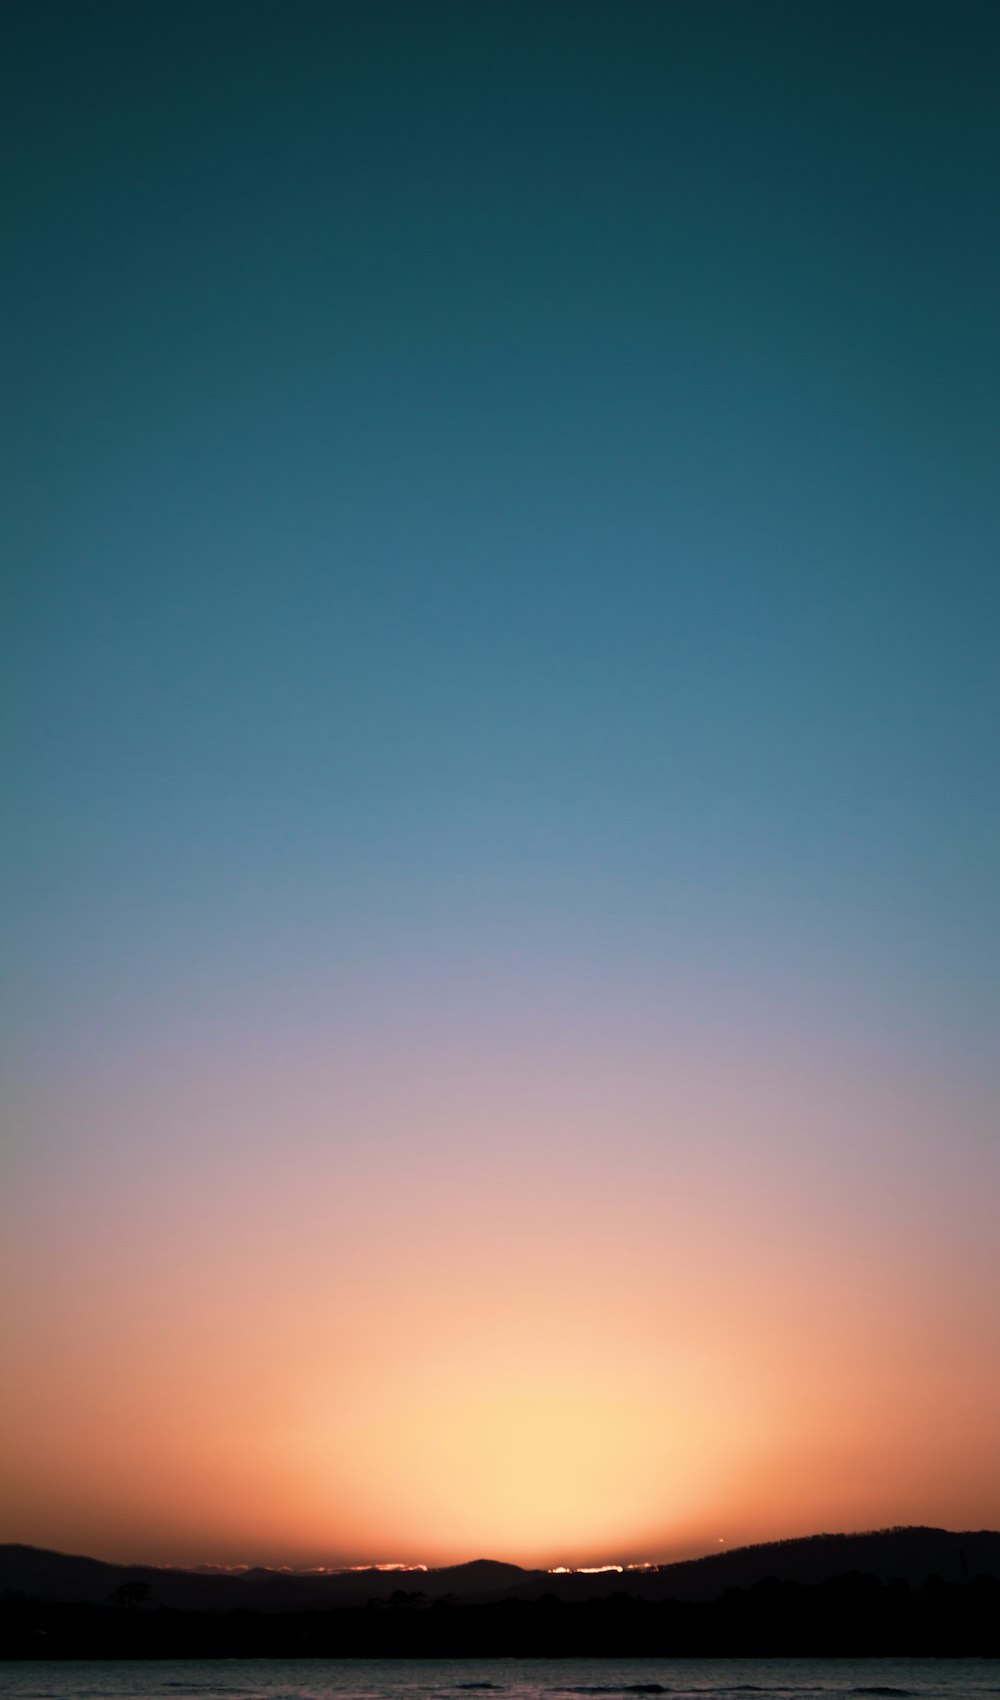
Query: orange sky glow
pixel 553 1320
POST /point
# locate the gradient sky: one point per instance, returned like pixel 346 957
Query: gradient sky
pixel 501 926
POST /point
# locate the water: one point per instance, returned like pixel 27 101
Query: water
pixel 513 1679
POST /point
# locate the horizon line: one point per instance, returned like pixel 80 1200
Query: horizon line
pixel 385 1567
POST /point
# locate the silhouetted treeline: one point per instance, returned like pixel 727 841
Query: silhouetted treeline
pixel 852 1615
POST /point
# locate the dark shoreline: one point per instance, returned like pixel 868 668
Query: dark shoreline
pixel 849 1616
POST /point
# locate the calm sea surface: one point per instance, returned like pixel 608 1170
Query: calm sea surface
pixel 517 1679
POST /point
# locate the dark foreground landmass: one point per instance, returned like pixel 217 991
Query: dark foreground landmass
pixel 853 1615
pixel 793 1601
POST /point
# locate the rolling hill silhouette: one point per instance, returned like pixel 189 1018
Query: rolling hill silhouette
pixel 912 1555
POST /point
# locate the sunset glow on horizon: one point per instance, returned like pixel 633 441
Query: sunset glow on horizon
pixel 502 910
pixel 590 1340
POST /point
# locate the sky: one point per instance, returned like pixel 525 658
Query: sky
pixel 501 740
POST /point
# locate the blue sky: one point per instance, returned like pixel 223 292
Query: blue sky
pixel 504 470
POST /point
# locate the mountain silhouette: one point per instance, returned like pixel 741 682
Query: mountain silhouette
pixel 896 1592
pixel 910 1555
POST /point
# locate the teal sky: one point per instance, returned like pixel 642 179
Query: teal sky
pixel 502 476
pixel 501 520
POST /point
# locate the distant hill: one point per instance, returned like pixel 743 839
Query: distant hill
pixel 912 1555
pixel 42 1575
